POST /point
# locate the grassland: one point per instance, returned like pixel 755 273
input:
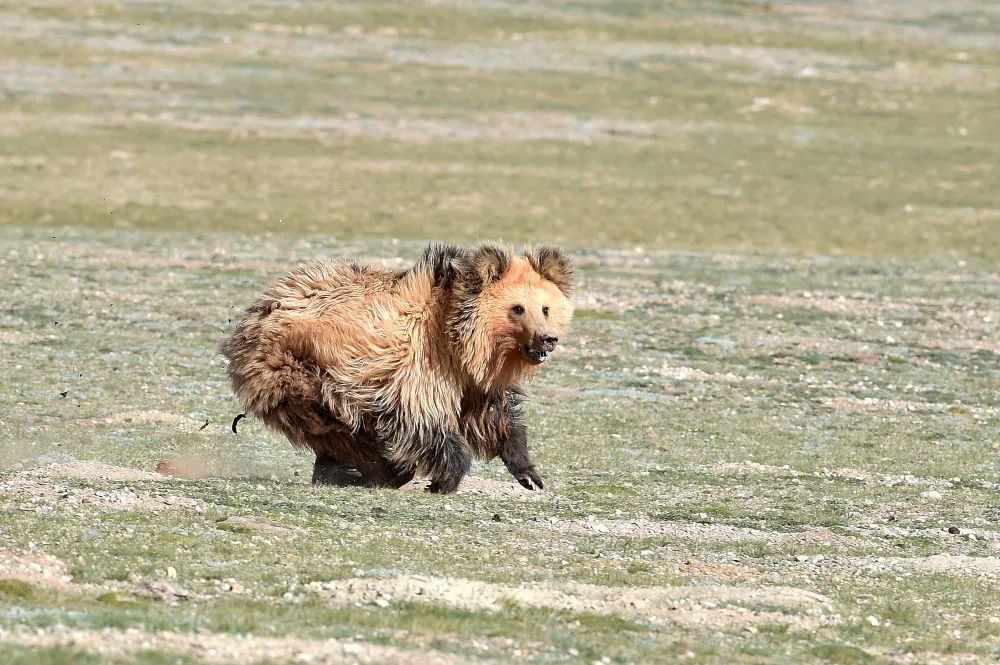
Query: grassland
pixel 771 437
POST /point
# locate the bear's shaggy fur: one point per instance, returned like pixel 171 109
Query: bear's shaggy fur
pixel 385 374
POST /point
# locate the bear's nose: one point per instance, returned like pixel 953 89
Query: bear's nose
pixel 549 339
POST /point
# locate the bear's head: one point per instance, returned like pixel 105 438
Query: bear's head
pixel 509 311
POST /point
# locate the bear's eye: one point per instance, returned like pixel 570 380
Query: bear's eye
pixel 545 311
pixel 517 309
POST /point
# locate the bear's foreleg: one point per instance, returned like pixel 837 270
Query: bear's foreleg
pixel 512 447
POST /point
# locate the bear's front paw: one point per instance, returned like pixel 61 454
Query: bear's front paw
pixel 529 479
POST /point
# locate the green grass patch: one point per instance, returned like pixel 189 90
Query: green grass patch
pixel 12 589
pixel 842 654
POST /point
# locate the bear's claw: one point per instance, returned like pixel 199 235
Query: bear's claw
pixel 530 480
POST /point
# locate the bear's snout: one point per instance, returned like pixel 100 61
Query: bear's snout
pixel 542 344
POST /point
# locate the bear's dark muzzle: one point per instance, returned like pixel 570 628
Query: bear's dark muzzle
pixel 541 347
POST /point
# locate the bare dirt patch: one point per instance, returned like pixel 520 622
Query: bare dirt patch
pixel 718 607
pixel 948 564
pixel 188 468
pixel 937 534
pixel 41 491
pixel 35 568
pixel 262 525
pixel 493 488
pixel 17 337
pixel 85 470
pixel 683 373
pixel 725 571
pixel 875 404
pixel 218 648
pixel 750 467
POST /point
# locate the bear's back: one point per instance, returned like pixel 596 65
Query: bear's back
pixel 353 320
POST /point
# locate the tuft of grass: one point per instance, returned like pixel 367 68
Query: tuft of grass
pixel 115 599
pixel 842 654
pixel 233 528
pixel 16 589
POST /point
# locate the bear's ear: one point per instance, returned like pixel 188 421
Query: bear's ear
pixel 439 259
pixel 554 265
pixel 484 264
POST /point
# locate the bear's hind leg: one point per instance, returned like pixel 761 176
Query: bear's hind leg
pixel 328 470
pixel 399 476
pixel 343 457
pixel 450 460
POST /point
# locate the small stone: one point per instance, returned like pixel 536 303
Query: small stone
pixel 600 528
pixel 171 573
pixel 235 587
pixel 873 621
pixel 382 602
pixel 724 342
pixel 954 530
pixel 379 511
pixel 932 495
pixel 496 517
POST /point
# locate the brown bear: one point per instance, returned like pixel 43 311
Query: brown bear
pixel 385 374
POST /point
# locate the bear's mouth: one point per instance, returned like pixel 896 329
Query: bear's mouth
pixel 536 356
